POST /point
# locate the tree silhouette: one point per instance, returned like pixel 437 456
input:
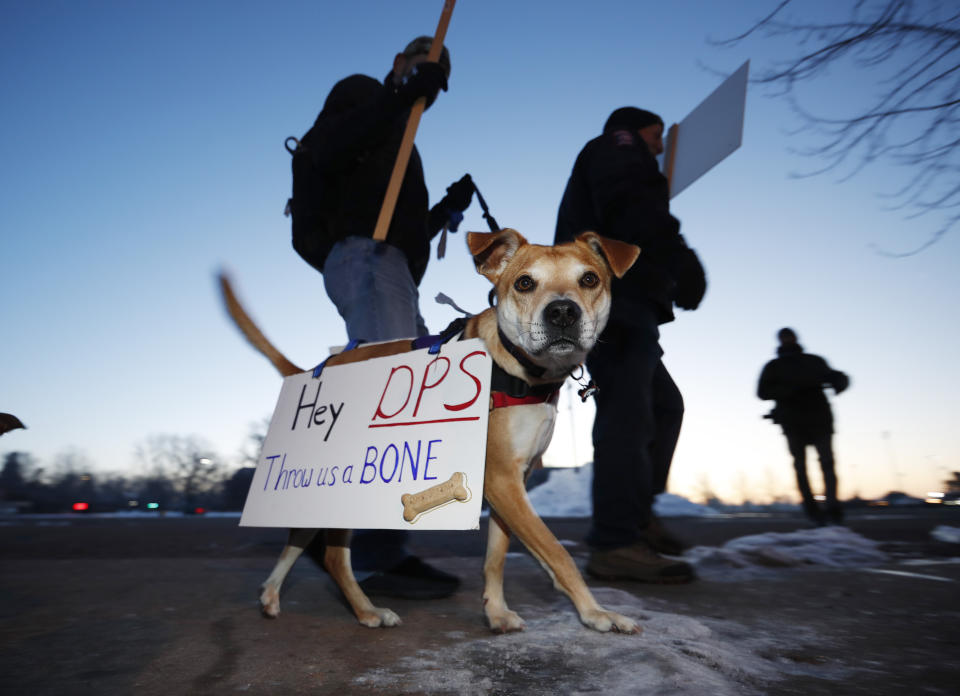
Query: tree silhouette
pixel 72 479
pixel 249 454
pixel 186 461
pixel 911 51
pixel 236 487
pixel 13 476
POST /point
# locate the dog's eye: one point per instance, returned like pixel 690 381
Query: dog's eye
pixel 590 280
pixel 524 284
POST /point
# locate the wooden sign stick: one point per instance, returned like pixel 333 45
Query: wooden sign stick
pixel 406 145
pixel 671 155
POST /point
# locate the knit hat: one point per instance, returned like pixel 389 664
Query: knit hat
pixel 630 118
pixel 786 335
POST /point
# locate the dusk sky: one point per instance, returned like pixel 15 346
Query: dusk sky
pixel 142 150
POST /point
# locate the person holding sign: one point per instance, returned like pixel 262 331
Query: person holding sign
pixel 353 145
pixel 617 190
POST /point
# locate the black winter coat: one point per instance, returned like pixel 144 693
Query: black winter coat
pixel 354 143
pixel 617 190
pixel 795 380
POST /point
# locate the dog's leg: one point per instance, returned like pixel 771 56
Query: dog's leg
pixel 297 541
pixel 499 616
pixel 336 560
pixel 504 490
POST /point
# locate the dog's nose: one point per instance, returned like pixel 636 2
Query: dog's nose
pixel 562 313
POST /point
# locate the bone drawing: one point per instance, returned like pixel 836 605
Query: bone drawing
pixel 415 504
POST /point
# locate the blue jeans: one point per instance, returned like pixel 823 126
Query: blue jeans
pixel 371 286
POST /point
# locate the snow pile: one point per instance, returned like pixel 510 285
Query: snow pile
pixel 566 493
pixel 950 535
pixel 676 654
pixel 837 547
pixel 670 505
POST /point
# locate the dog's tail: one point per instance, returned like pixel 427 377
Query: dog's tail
pixel 252 332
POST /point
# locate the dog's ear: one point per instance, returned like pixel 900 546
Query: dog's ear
pixel 492 251
pixel 620 256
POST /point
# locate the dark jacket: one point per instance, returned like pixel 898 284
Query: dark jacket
pixel 617 190
pixel 354 143
pixel 795 380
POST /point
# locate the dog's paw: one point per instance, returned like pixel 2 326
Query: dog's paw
pixel 607 621
pixel 379 618
pixel 270 602
pixel 505 621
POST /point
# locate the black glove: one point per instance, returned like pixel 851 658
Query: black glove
pixel 448 212
pixel 459 194
pixel 691 279
pixel 426 80
pixel 839 381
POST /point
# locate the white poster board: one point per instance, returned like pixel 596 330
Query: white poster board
pixel 389 443
pixel 709 133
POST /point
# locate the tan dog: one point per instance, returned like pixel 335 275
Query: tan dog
pixel 552 304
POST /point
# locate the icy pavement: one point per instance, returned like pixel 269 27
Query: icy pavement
pixel 676 654
pixel 169 606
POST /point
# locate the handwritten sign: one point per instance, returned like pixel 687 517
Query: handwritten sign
pixel 389 443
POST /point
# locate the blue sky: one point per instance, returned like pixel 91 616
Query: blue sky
pixel 142 146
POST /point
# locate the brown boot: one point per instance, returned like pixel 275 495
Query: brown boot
pixel 638 562
pixel 661 540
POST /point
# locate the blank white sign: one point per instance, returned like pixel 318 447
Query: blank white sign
pixel 710 132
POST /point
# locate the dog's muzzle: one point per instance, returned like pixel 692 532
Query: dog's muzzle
pixel 562 313
pixel 562 320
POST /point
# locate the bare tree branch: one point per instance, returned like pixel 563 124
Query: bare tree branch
pixel 910 49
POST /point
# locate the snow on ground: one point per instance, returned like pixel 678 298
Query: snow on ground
pixel 757 554
pixel 566 493
pixel 676 654
pixel 945 533
pixel 670 505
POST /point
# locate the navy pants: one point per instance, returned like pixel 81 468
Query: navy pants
pixel 635 431
pixel 822 442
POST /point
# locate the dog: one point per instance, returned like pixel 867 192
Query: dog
pixel 552 302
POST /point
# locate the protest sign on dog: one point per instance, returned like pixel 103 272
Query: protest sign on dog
pixel 397 442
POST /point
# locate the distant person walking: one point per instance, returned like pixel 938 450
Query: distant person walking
pixel 796 380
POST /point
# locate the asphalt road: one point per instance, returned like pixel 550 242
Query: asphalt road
pixel 169 606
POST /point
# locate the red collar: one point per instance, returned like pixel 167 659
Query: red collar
pixel 507 390
pixel 499 399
